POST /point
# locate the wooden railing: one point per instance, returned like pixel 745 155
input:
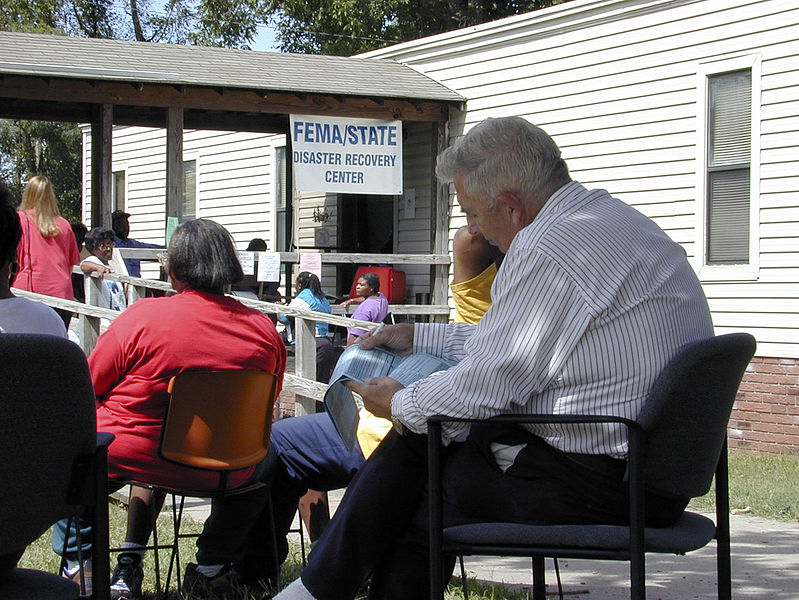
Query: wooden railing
pixel 303 382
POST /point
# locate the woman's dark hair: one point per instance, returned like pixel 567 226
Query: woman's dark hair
pixel 372 280
pixel 97 236
pixel 306 279
pixel 10 229
pixel 202 256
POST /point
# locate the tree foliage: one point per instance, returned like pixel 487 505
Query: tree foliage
pixel 30 148
pixel 347 27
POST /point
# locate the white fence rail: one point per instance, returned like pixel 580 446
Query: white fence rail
pixel 303 382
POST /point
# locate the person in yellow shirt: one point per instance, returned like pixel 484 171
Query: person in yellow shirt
pixel 474 266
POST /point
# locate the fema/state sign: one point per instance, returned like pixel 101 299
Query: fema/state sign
pixel 353 156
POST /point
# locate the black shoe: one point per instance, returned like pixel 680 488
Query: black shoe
pixel 226 585
pixel 127 577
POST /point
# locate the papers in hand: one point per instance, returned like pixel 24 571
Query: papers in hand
pixel 356 364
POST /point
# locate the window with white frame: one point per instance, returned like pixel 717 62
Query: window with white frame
pixel 729 130
pixel 728 182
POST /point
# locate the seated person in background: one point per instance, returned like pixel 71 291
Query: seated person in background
pixel 121 225
pixel 474 267
pixel 100 243
pixel 154 339
pixel 373 304
pixel 311 297
pixel 250 287
pixel 558 338
pixel 19 315
pixel 311 454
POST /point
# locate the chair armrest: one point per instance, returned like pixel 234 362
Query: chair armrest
pixel 537 418
pixel 635 462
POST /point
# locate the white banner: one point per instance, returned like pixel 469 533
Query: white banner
pixel 354 156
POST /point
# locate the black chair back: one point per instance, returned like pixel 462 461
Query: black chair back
pixel 687 411
pixel 48 424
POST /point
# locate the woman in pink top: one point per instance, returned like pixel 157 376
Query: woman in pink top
pixel 47 249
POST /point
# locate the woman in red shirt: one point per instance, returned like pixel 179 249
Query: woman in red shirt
pixel 47 249
pixel 157 338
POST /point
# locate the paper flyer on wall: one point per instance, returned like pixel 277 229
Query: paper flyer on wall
pixel 356 364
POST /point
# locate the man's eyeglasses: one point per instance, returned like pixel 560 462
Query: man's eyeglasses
pixel 105 245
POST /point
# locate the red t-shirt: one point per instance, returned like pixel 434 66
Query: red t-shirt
pixel 153 340
pixel 45 264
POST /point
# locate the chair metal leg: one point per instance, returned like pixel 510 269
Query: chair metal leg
pixel 557 577
pixel 723 566
pixel 463 579
pixel 637 577
pixel 174 559
pixel 539 579
pixel 157 558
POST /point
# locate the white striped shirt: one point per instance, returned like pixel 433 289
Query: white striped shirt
pixel 591 301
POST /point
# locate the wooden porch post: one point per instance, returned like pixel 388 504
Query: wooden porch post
pixel 102 123
pixel 174 163
pixel 440 195
pixel 305 362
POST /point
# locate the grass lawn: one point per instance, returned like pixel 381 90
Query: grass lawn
pixel 767 484
pixel 39 555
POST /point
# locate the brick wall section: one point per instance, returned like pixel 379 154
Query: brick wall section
pixel 766 413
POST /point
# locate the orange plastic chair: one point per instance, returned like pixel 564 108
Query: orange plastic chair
pixel 196 433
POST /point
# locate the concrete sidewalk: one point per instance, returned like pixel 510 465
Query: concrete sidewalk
pixel 765 565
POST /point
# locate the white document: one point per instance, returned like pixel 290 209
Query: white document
pixel 247 260
pixel 268 266
pixel 356 364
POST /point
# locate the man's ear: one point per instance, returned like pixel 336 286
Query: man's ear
pixel 517 208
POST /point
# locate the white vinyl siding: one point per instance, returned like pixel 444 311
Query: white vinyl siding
pixel 618 84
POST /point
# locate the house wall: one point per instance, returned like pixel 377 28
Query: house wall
pixel 236 187
pixel 620 86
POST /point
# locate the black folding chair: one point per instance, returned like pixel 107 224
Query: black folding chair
pixel 676 445
pixel 54 464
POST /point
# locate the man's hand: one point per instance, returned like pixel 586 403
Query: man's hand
pixel 89 267
pixel 397 338
pixel 376 393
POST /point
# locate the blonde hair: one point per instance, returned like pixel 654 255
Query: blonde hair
pixel 38 196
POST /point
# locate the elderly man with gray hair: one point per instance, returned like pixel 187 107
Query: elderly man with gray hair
pixel 592 300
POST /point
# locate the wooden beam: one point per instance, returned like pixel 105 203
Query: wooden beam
pixel 174 163
pixel 68 112
pixel 208 98
pixel 101 201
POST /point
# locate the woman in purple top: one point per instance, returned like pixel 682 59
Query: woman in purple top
pixel 373 307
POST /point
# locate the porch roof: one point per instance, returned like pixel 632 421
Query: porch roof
pixel 36 68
